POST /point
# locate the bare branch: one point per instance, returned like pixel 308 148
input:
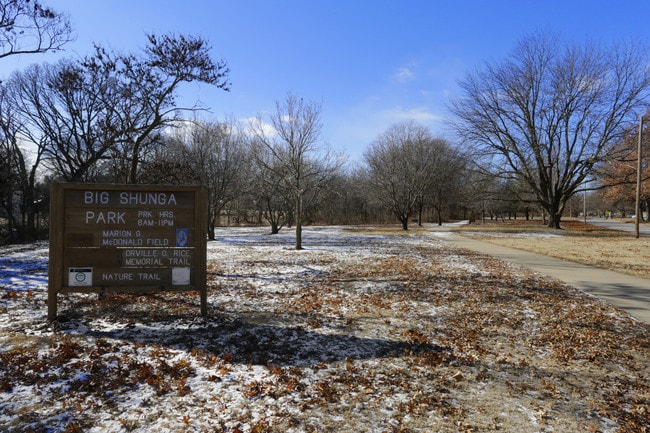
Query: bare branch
pixel 550 113
pixel 29 27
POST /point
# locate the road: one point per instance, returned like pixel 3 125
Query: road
pixel 644 229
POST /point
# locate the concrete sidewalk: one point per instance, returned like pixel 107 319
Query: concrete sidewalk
pixel 624 291
pixel 620 225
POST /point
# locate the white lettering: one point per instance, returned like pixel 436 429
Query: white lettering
pixel 116 233
pixel 143 261
pixel 157 242
pixel 96 197
pixel 109 217
pixel 147 198
pixel 117 276
pixel 117 242
pixel 141 253
pixel 148 276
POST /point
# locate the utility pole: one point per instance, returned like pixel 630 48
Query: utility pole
pixel 638 181
pixel 584 202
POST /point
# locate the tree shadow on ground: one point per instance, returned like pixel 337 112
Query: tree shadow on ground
pixel 256 338
pixel 22 273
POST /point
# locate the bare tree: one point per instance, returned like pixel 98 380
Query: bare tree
pixel 29 27
pixel 401 166
pixel 147 86
pixel 167 165
pixel 20 164
pixel 619 177
pixel 12 167
pixel 216 153
pixel 298 156
pixel 65 117
pixel 271 199
pixel 109 107
pixel 551 112
pixel 447 174
pixel 26 27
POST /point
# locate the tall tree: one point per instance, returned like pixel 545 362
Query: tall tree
pixel 66 117
pixel 147 86
pixel 271 199
pixel 110 107
pixel 401 165
pixel 12 167
pixel 30 27
pixel 298 156
pixel 447 174
pixel 549 113
pixel 24 141
pixel 26 27
pixel 216 153
pixel 618 176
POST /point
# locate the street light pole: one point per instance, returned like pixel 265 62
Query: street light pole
pixel 638 181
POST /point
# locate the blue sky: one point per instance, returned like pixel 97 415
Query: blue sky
pixel 370 63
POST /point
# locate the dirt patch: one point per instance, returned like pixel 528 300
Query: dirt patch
pixel 360 331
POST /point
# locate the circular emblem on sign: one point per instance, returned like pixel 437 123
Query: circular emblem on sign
pixel 80 277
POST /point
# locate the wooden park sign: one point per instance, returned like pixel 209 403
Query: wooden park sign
pixel 127 238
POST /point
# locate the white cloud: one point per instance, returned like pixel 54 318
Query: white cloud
pixel 257 124
pixel 420 114
pixel 405 74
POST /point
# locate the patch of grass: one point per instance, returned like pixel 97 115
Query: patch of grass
pixel 387 229
pixel 578 242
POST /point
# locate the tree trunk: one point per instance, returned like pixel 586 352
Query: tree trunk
pixel 29 225
pixel 211 226
pixel 298 213
pixel 405 222
pixel 213 217
pixel 554 221
pixel 554 215
pixel 135 160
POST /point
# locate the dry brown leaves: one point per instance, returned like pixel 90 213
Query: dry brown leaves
pixel 411 338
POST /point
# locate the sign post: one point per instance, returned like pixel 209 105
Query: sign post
pixel 127 238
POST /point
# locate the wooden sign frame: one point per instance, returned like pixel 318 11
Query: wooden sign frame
pixel 127 238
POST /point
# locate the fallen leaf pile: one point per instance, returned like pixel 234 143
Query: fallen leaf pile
pixel 367 332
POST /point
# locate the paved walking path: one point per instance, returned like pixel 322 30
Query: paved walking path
pixel 614 224
pixel 624 291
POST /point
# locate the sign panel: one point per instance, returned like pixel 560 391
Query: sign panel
pixel 80 277
pixel 127 238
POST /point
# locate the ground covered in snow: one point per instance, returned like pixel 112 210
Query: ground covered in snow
pixel 365 330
